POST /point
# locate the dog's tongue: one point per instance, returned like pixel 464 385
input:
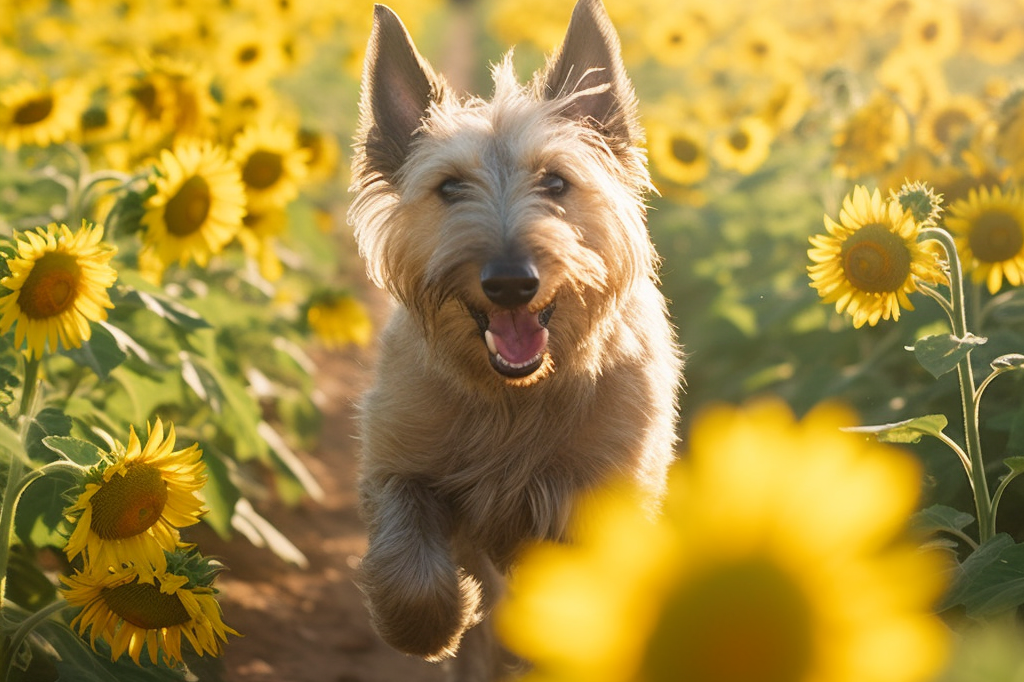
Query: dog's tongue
pixel 518 335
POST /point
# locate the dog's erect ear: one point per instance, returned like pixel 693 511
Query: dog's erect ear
pixel 591 57
pixel 398 86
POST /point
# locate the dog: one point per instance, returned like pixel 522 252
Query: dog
pixel 529 356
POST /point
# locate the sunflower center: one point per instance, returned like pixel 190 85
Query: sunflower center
pixel 875 260
pixel 145 606
pixel 51 286
pixel 186 211
pixel 739 141
pixel 741 622
pixel 248 54
pixel 127 505
pixel 34 110
pixel 262 169
pixel 995 237
pixel 685 150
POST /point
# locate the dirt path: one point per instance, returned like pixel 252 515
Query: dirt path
pixel 310 625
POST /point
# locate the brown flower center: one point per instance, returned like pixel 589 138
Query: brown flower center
pixel 187 210
pixel 685 150
pixel 739 141
pixel 127 505
pixel 875 260
pixel 996 236
pixel 34 110
pixel 262 169
pixel 145 606
pixel 51 286
pixel 748 621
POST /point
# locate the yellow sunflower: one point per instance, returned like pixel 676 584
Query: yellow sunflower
pixel 340 319
pixel 871 260
pixel 873 138
pixel 272 165
pixel 130 612
pixel 989 229
pixel 779 557
pixel 745 146
pixel 198 206
pixel 35 114
pixel 130 509
pixel 57 286
pixel 678 151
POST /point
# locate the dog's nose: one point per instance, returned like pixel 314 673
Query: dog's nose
pixel 510 283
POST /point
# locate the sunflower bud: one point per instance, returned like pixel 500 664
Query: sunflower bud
pixel 921 201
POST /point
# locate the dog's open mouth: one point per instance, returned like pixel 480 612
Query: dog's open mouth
pixel 517 339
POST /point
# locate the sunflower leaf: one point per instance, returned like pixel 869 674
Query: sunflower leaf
pixel 1009 362
pixel 101 353
pixel 939 518
pixel 991 580
pixel 77 451
pixel 907 431
pixel 941 353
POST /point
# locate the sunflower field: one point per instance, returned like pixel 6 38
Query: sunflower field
pixel 840 213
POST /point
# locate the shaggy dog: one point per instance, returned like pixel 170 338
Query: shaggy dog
pixel 529 356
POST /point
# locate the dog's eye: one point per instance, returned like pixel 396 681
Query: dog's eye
pixel 553 184
pixel 452 189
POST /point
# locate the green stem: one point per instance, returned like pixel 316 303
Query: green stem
pixel 968 392
pixel 27 626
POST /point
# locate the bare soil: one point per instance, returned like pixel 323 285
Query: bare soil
pixel 310 625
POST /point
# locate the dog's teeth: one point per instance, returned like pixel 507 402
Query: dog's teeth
pixel 489 340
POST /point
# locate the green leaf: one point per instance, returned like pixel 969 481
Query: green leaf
pixel 140 294
pixel 1008 362
pixel 80 452
pixel 991 580
pixel 1016 465
pixel 941 353
pixel 907 431
pixel 101 353
pixel 49 421
pixel 939 517
pixel 220 492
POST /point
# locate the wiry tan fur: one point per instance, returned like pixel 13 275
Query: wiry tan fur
pixel 462 464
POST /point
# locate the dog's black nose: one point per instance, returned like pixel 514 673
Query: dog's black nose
pixel 510 283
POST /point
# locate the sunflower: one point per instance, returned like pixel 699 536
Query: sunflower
pixel 744 147
pixel 873 138
pixel 871 260
pixel 272 165
pixel 989 231
pixel 678 151
pixel 258 238
pixel 130 612
pixel 198 206
pixel 338 319
pixel 779 556
pixel 34 114
pixel 129 510
pixel 57 286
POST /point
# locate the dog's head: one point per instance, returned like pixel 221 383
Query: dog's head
pixel 512 227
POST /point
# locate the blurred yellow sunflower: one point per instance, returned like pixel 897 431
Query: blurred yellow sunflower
pixel 873 138
pixel 198 206
pixel 871 260
pixel 130 612
pixel 780 557
pixel 340 319
pixel 57 286
pixel 272 165
pixel 678 151
pixel 129 510
pixel 38 114
pixel 258 238
pixel 745 146
pixel 989 230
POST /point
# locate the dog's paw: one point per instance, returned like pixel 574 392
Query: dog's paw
pixel 420 601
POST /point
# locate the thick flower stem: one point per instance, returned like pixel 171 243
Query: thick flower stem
pixel 968 390
pixel 17 481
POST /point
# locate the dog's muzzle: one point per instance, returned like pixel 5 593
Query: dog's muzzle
pixel 515 332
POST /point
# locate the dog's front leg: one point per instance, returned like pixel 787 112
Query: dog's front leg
pixel 420 602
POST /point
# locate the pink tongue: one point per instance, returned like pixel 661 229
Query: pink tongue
pixel 518 335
